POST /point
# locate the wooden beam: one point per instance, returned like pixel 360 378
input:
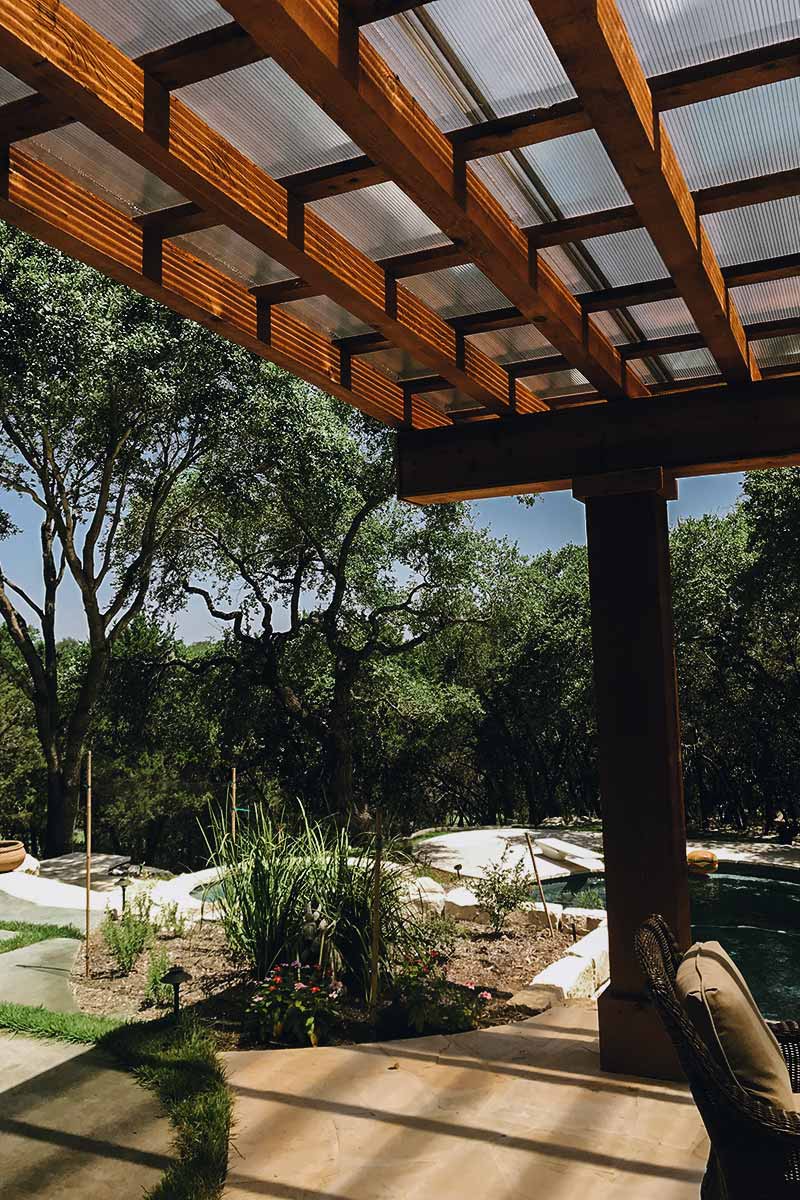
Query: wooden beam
pixel 783 266
pixel 577 229
pixel 365 11
pixel 173 221
pixel 782 327
pixel 427 383
pixel 720 429
pixel 549 364
pixel 420 262
pixel 362 343
pixel 652 347
pixel 347 176
pixel 742 192
pixel 593 45
pixel 520 129
pixel 489 320
pixel 284 291
pixel 608 299
pixel 63 57
pixel 723 76
pixel 366 99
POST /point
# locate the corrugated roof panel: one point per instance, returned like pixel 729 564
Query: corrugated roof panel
pixel 566 269
pixel 264 113
pixel 328 316
pixel 93 163
pixel 380 220
pixel 777 352
pixel 663 318
pixel 690 364
pixel 577 174
pixel 511 345
pixel 397 364
pixel 610 327
pixel 759 231
pixel 558 383
pixel 226 250
pixel 500 45
pixel 669 34
pixel 456 291
pixel 628 257
pixel 451 400
pixel 772 300
pixel 508 180
pixel 150 24
pixel 12 88
pixel 738 136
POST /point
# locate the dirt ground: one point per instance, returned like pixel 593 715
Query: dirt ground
pixel 219 988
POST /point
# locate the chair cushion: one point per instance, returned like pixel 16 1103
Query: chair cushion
pixel 722 1009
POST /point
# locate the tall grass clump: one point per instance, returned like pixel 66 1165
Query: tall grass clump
pixel 307 893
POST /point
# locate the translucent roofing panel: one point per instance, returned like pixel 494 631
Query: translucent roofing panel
pixel 739 136
pixel 625 258
pixel 566 268
pixel 769 301
pixel 756 232
pixel 328 316
pixel 609 326
pixel 558 383
pixel 663 318
pixel 85 158
pixel 225 249
pixel 513 186
pixel 500 48
pixel 577 174
pixel 456 291
pixel 669 34
pixel 380 220
pixel 690 364
pixel 777 352
pixel 511 345
pixel 263 112
pixel 150 24
pixel 12 88
pixel 450 401
pixel 396 363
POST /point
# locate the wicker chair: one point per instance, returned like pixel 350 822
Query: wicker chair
pixel 755 1148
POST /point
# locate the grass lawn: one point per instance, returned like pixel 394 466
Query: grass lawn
pixel 26 934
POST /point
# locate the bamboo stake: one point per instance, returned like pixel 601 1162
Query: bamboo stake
pixel 539 882
pixel 233 804
pixel 376 917
pixel 88 855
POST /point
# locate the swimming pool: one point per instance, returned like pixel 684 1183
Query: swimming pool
pixel 755 916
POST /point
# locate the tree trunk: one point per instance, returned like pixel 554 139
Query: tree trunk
pixel 341 745
pixel 63 798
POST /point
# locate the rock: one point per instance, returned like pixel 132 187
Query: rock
pixel 533 916
pixel 425 894
pixel 570 978
pixel 583 919
pixel 594 948
pixel 462 904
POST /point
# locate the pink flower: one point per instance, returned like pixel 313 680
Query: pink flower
pixel 484 995
pixel 299 987
pixel 470 985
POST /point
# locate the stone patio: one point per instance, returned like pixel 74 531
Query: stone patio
pixel 509 1113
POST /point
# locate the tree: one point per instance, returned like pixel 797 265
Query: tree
pixel 108 403
pixel 318 571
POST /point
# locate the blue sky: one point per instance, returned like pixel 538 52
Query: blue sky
pixel 553 521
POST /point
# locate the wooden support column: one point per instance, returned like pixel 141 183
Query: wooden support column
pixel 644 833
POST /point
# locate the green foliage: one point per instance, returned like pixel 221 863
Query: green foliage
pixel 588 897
pixel 502 889
pixel 130 933
pixel 26 934
pixel 295 1004
pixel 424 1001
pixel 172 923
pixel 157 993
pixel 179 1062
pixel 438 936
pixel 80 1028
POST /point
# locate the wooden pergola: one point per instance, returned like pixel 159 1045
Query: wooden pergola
pixel 554 243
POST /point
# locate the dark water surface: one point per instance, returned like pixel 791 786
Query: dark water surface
pixel 756 919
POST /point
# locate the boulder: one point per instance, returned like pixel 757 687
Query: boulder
pixel 462 904
pixel 425 894
pixel 594 948
pixel 533 916
pixel 570 978
pixel 584 920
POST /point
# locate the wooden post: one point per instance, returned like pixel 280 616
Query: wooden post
pixel 233 804
pixel 376 917
pixel 641 785
pixel 88 858
pixel 539 883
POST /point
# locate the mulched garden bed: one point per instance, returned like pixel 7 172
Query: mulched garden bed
pixel 219 989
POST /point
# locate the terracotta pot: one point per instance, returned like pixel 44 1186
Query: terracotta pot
pixel 12 855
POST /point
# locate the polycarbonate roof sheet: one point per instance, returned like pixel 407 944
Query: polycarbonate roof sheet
pixel 396 363
pixel 450 400
pixel 756 232
pixel 456 291
pixel 663 318
pixel 233 255
pixel 625 258
pixel 689 364
pixel 740 136
pixel 142 25
pixel 511 345
pixel 326 315
pixel 558 383
pixel 500 47
pixel 772 300
pixel 12 88
pixel 511 182
pixel 570 273
pixel 263 112
pixel 669 34
pixel 777 352
pixel 380 220
pixel 93 163
pixel 577 174
pixel 609 326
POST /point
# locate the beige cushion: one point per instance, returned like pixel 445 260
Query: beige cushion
pixel 721 1007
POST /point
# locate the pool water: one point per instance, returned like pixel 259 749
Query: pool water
pixel 756 919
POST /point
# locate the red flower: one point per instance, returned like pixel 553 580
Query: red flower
pixel 315 989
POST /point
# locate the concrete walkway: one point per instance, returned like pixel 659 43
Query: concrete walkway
pixel 515 1112
pixel 39 974
pixel 474 848
pixel 72 1124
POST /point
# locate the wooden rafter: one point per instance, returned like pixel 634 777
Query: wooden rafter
pixel 64 58
pixel 723 76
pixel 520 129
pixel 593 45
pixel 629 295
pixel 742 192
pixel 343 72
pixel 347 176
pixel 577 229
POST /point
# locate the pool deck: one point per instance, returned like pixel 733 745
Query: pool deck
pixel 513 1112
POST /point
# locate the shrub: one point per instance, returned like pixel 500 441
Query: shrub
pixel 501 890
pixel 172 923
pixel 424 1001
pixel 157 993
pixel 589 897
pixel 129 934
pixel 295 1004
pixel 440 933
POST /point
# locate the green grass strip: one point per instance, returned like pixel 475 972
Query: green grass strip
pixel 27 934
pixel 80 1028
pixel 178 1061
